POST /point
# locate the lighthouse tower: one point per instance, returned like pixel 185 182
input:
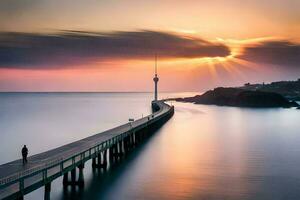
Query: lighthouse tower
pixel 155 79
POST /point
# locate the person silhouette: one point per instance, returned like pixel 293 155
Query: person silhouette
pixel 24 154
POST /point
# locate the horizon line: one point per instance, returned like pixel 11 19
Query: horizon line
pixel 93 91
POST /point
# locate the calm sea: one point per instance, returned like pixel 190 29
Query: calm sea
pixel 203 152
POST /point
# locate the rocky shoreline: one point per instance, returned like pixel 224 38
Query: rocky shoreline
pixel 240 98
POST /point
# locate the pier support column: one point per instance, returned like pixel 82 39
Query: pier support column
pixel 93 163
pixel 73 176
pixel 47 191
pixel 21 197
pixel 110 154
pixel 123 147
pixel 138 137
pixel 80 176
pixel 102 160
pixel 105 157
pixel 116 150
pixel 134 138
pixel 120 149
pixel 99 160
pixel 113 150
pixel 65 179
pixel 131 140
pixel 126 144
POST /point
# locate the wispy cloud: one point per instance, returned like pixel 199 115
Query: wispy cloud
pixel 68 48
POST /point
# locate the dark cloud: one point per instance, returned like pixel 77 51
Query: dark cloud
pixel 29 50
pixel 282 53
pixel 12 7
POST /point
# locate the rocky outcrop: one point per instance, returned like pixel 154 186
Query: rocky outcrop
pixel 240 98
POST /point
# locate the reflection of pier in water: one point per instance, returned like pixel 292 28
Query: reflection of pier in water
pixel 103 149
pixel 99 180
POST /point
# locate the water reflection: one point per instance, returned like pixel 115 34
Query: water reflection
pixel 209 152
pixel 203 152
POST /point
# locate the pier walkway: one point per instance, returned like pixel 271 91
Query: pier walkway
pixel 17 179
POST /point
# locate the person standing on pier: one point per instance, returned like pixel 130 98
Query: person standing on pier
pixel 24 154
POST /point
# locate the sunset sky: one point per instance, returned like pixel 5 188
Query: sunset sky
pixel 101 45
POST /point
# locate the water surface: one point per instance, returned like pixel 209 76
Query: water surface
pixel 203 152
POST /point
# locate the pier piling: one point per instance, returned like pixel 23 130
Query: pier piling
pixel 47 191
pixel 80 176
pixel 73 176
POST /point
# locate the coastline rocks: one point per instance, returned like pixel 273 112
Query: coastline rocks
pixel 240 98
